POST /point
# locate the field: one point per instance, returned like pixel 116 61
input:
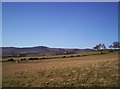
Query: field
pixel 91 70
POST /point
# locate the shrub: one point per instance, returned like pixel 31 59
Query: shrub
pixel 22 59
pixel 102 53
pixel 11 59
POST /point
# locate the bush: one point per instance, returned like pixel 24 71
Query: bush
pixel 30 59
pixel 102 53
pixel 11 59
pixel 78 55
pixel 22 59
pixel 64 56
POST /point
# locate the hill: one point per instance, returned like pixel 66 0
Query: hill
pixel 39 51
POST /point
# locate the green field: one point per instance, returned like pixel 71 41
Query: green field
pixel 95 69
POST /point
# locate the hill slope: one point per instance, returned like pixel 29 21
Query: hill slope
pixel 39 51
pixel 86 72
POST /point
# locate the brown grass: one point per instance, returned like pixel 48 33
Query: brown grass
pixel 94 70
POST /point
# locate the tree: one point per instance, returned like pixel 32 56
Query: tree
pixel 115 45
pixel 103 46
pixel 99 47
pixel 110 47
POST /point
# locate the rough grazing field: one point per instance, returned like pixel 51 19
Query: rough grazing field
pixel 93 70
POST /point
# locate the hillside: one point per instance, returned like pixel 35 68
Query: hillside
pixel 39 51
pixel 87 71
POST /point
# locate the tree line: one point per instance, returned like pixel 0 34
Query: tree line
pixel 114 45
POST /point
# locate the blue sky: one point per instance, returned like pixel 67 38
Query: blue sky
pixel 59 24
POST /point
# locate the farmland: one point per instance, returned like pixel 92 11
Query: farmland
pixel 90 69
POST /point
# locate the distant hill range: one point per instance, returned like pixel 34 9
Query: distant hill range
pixel 38 51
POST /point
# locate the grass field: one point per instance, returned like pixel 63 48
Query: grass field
pixel 88 71
pixel 58 56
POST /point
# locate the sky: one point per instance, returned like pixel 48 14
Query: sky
pixel 59 24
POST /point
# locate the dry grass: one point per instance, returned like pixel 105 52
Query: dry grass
pixel 53 56
pixel 94 70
